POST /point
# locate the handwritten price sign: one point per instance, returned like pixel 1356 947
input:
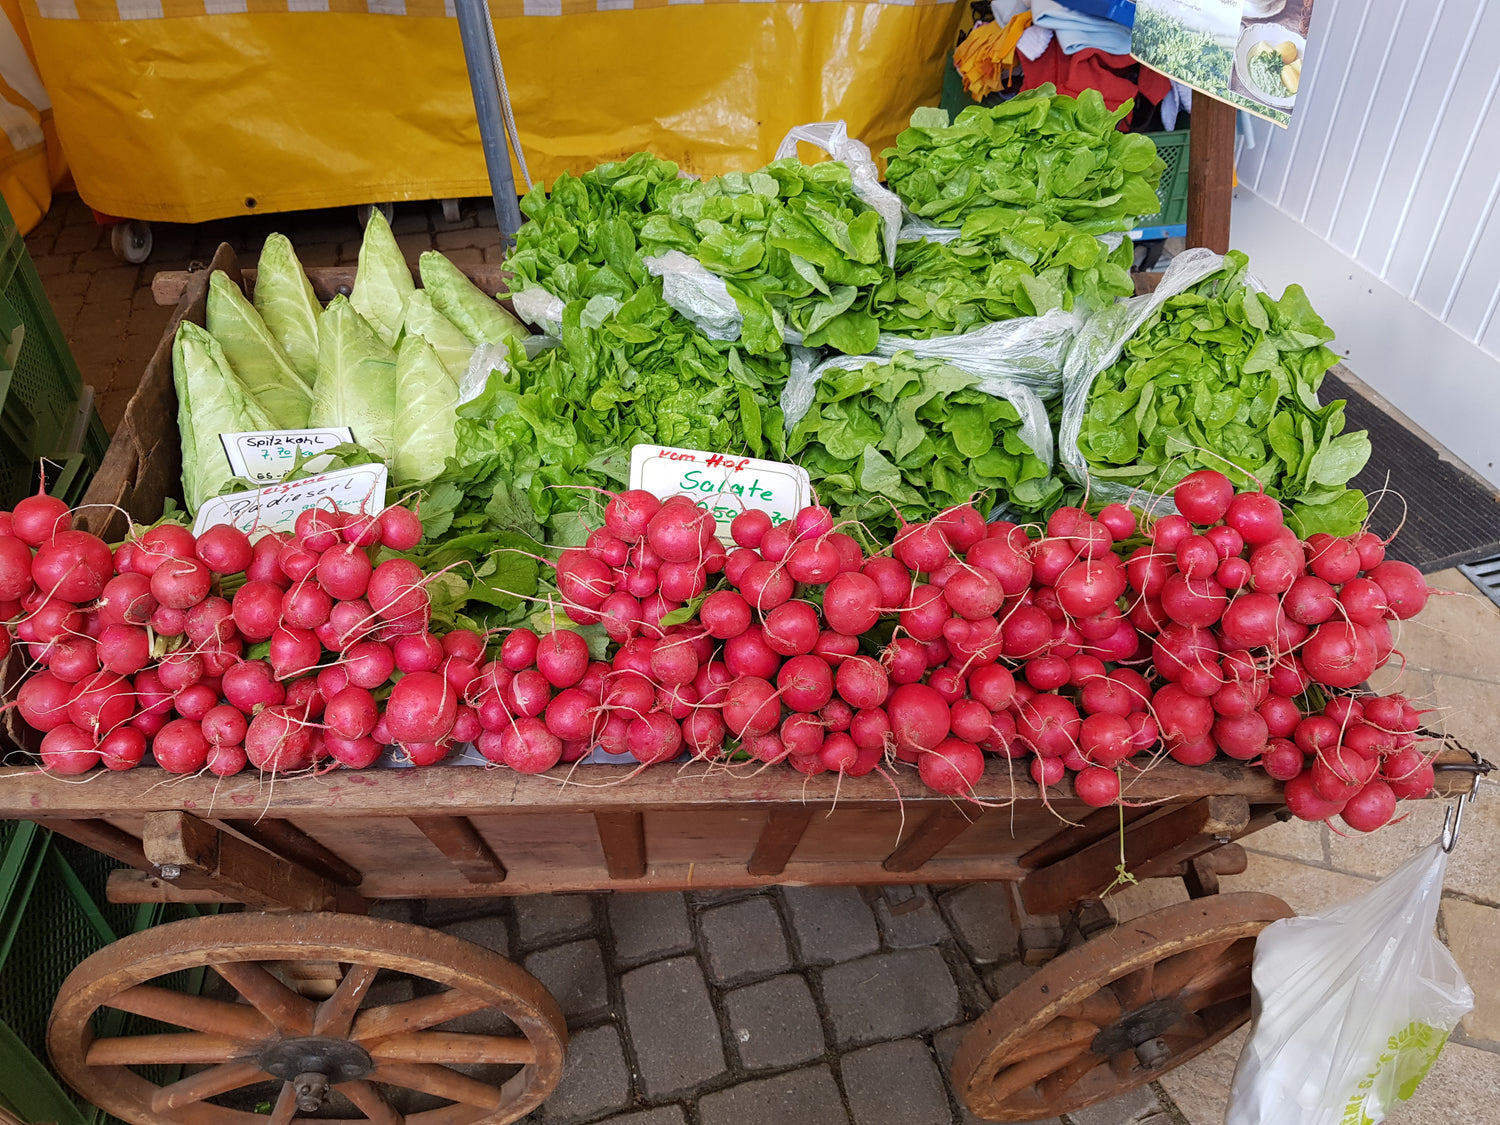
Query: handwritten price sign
pixel 265 456
pixel 277 508
pixel 721 483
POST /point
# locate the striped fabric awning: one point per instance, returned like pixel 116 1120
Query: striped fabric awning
pixel 115 10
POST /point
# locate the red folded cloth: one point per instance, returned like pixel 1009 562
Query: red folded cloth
pixel 1093 69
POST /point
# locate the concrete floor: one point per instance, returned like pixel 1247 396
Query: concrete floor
pixel 1452 664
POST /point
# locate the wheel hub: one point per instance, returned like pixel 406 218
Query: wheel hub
pixel 1138 1028
pixel 337 1060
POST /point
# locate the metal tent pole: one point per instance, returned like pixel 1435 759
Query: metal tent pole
pixel 474 30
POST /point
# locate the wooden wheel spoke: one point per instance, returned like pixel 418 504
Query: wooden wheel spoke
pixel 1101 1009
pixel 371 1102
pixel 1189 1029
pixel 429 1078
pixel 286 1106
pixel 285 1010
pixel 415 1015
pixel 172 1047
pixel 213 1017
pixel 215 1080
pixel 1027 1073
pixel 452 1047
pixel 1060 1081
pixel 1174 974
pixel 1134 989
pixel 336 1014
pixel 1059 1035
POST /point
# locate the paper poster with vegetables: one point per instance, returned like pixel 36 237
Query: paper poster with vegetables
pixel 1245 52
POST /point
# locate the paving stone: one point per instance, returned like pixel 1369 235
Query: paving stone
pixel 595 1077
pixel 412 220
pixel 727 894
pixel 413 246
pixel 980 914
pixel 909 917
pixel 540 918
pixel 802 1096
pixel 831 923
pixel 672 1025
pixel 744 940
pixel 77 239
pixel 1005 978
pixel 661 1115
pixel 574 974
pixel 440 911
pixel 648 926
pixel 113 284
pixel 945 1043
pixel 465 256
pixel 1474 936
pixel 1134 1108
pixel 774 1023
pixel 890 996
pixel 489 931
pixel 895 1084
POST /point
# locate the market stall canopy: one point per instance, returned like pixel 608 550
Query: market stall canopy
pixel 184 112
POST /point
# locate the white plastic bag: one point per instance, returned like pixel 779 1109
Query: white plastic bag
pixel 834 139
pixel 1351 1006
pixel 802 386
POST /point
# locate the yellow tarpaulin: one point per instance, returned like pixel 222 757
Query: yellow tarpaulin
pixel 187 110
pixel 31 163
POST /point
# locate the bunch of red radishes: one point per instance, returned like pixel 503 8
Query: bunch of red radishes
pixel 1089 650
pixel 971 638
pixel 146 646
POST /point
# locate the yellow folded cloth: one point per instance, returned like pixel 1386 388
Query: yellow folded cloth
pixel 986 59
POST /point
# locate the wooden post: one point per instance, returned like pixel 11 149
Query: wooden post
pixel 779 839
pixel 941 828
pixel 622 835
pixel 456 838
pixel 1210 173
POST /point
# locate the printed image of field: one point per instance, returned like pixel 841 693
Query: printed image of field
pixel 1192 42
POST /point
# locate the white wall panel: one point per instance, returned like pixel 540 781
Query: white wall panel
pixel 1392 161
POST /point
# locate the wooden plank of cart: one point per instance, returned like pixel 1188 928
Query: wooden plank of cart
pixel 1112 1007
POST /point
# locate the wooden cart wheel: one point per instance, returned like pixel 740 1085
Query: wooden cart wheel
pixel 1115 1012
pixel 344 1057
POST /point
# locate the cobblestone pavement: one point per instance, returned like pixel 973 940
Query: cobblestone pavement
pixel 796 1005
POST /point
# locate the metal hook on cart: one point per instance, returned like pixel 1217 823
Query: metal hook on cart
pixel 1456 817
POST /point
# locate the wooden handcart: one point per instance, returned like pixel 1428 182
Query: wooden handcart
pixel 301 1003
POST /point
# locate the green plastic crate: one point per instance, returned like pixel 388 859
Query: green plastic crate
pixel 1173 148
pixel 53 914
pixel 41 390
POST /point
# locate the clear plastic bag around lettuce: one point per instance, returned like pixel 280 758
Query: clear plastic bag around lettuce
pixel 801 388
pixel 536 306
pixel 1351 1005
pixel 1094 349
pixel 698 294
pixel 834 139
pixel 1029 349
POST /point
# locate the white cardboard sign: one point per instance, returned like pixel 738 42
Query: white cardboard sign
pixel 265 456
pixel 722 483
pixel 276 508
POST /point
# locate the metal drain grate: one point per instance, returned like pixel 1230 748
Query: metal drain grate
pixel 1486 575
